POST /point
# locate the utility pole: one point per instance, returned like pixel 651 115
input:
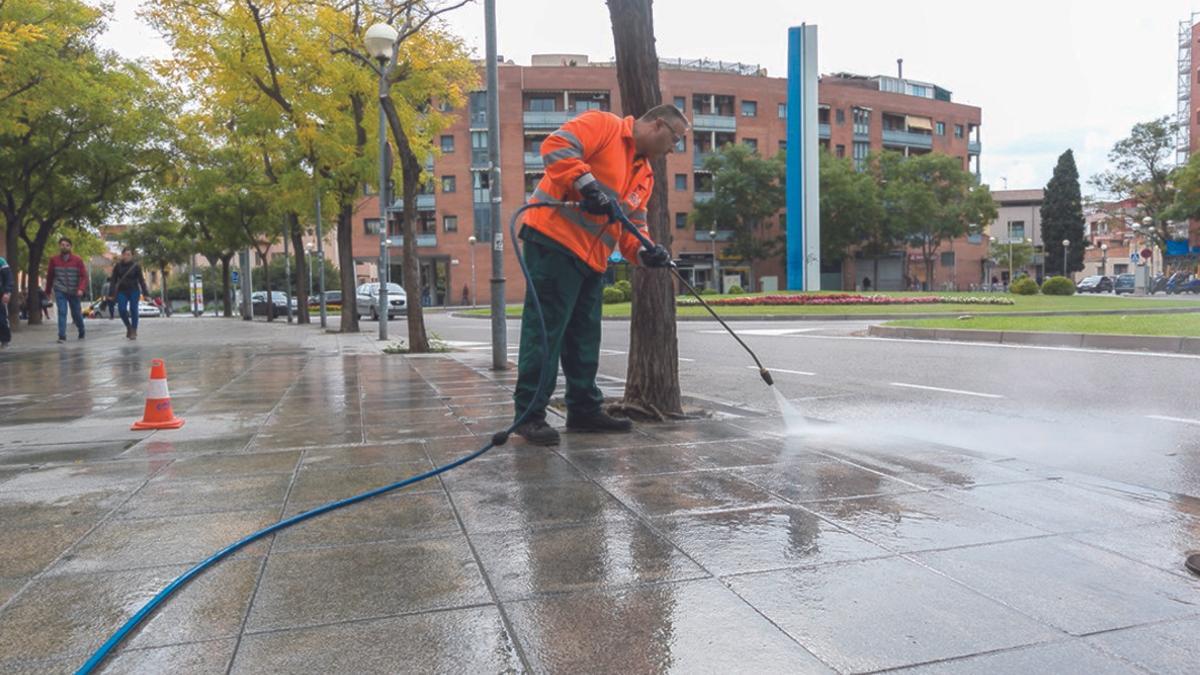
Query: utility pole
pixel 247 286
pixel 320 255
pixel 287 271
pixel 499 323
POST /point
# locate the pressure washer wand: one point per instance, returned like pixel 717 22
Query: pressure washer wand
pixel 633 229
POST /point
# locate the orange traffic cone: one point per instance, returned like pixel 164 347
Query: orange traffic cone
pixel 158 413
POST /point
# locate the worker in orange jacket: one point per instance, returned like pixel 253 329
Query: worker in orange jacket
pixel 601 161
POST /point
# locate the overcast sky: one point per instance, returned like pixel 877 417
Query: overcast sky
pixel 1048 74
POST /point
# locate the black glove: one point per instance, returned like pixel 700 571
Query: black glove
pixel 596 201
pixel 655 257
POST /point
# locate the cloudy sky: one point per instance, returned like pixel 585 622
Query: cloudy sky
pixel 1048 74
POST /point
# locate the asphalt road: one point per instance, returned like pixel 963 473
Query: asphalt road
pixel 1123 415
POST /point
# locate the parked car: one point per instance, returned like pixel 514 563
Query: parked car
pixel 258 301
pixel 148 309
pixel 368 301
pixel 1125 284
pixel 1095 284
pixel 1182 282
pixel 332 299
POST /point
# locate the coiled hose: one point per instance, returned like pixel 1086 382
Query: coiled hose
pixel 499 438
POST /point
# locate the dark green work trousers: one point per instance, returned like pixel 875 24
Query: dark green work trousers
pixel 571 299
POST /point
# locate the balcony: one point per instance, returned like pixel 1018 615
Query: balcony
pixel 973 147
pixel 713 123
pixel 533 161
pixel 699 158
pixel 701 197
pixel 479 158
pixel 424 203
pixel 907 138
pixel 722 235
pixel 546 119
pixel 428 240
pixel 823 130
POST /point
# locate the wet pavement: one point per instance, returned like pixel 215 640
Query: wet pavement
pixel 718 545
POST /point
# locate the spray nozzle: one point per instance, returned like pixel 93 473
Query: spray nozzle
pixel 766 376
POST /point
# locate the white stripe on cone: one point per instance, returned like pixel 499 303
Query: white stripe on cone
pixel 158 389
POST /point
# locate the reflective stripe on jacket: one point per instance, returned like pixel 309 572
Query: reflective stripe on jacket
pixel 595 146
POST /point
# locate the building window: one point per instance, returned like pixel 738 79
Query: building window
pixel 542 104
pixel 862 122
pixel 448 183
pixel 371 225
pixel 681 146
pixel 681 182
pixel 841 150
pixel 426 223
pixel 1120 269
pixel 948 259
pixel 782 111
pixel 749 108
pixel 1016 230
pixel 941 128
pixel 448 143
pixel 681 103
pixel 751 143
pixel 958 131
pixel 861 150
pixel 703 182
pixel 782 146
pixel 479 140
pixel 450 223
pixel 680 221
pixel 481 187
pixel 839 115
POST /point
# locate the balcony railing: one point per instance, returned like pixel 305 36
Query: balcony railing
pixel 423 240
pixel 533 160
pixel 479 157
pixel 714 123
pixel 973 147
pixel 700 158
pixel 546 119
pixel 907 138
pixel 425 202
pixel 823 130
pixel 722 235
pixel 702 197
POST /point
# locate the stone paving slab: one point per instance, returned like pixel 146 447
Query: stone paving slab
pixel 717 545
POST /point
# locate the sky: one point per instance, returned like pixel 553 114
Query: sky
pixel 1048 74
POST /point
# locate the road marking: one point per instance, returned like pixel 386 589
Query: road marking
pixel 687 360
pixel 1181 420
pixel 784 370
pixel 611 352
pixel 993 345
pixel 768 332
pixel 947 391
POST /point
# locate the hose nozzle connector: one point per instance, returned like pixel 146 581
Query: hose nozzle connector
pixel 766 376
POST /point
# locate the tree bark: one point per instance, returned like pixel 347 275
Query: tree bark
pixel 14 301
pixel 345 240
pixel 410 168
pixel 302 290
pixel 652 380
pixel 37 249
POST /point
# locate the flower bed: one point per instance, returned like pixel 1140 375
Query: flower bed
pixel 845 299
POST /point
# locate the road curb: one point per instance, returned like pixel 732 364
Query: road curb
pixel 891 317
pixel 1144 343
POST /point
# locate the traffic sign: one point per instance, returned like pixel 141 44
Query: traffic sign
pixel 234 274
pixel 1133 257
pixel 1146 253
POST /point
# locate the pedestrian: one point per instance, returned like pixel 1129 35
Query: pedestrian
pixel 67 276
pixel 6 289
pixel 126 281
pixel 601 161
pixel 866 283
pixel 106 302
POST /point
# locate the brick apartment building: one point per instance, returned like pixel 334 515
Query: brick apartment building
pixel 726 103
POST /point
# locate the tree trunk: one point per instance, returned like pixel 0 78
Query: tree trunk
pixel 302 290
pixel 652 378
pixel 37 248
pixel 162 289
pixel 345 240
pixel 14 301
pixel 226 286
pixel 410 168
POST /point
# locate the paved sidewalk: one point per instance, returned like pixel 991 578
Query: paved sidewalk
pixel 706 546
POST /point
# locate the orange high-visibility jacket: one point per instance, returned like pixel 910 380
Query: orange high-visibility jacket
pixel 595 146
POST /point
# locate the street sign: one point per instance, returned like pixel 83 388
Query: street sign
pixel 1146 253
pixel 1133 257
pixel 234 274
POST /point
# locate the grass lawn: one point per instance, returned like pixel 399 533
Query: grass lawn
pixel 1022 303
pixel 1187 325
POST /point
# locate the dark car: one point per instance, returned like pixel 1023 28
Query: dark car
pixel 332 298
pixel 1125 284
pixel 1096 284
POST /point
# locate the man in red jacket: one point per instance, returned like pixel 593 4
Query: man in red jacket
pixel 67 277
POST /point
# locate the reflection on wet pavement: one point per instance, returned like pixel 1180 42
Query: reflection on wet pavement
pixel 713 545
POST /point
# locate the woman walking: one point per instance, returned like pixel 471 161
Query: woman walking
pixel 126 281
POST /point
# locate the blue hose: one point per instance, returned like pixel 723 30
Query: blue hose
pixel 500 438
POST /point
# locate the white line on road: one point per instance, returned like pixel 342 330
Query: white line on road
pixel 784 370
pixel 993 345
pixel 1181 420
pixel 941 389
pixel 767 332
pixel 687 360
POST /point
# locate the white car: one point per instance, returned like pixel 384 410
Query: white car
pixel 146 308
pixel 368 301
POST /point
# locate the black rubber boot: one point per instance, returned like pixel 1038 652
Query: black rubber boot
pixel 538 433
pixel 598 421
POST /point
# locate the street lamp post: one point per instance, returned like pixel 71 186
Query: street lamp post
pixel 990 261
pixel 381 43
pixel 1010 254
pixel 309 248
pixel 320 256
pixel 712 235
pixel 1066 254
pixel 471 240
pixel 1103 260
